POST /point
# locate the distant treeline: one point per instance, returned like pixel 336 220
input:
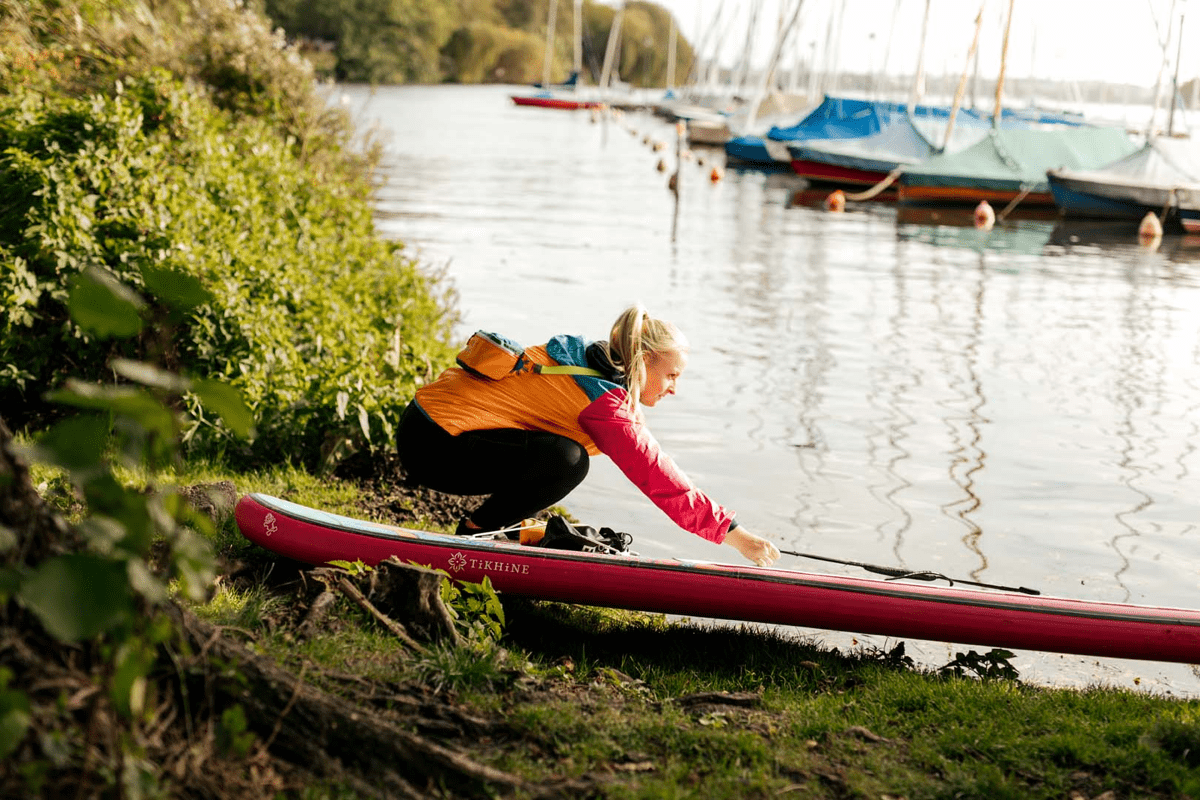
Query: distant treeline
pixel 474 41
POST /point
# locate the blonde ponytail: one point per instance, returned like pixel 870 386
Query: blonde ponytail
pixel 634 336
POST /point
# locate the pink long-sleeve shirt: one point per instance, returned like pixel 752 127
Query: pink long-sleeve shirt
pixel 629 443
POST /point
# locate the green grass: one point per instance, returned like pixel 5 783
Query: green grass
pixel 828 724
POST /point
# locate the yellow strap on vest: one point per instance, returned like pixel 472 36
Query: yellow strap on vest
pixel 545 369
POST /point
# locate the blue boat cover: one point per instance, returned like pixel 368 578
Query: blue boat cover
pixel 903 141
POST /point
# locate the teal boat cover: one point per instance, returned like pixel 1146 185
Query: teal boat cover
pixel 1162 162
pixel 1010 159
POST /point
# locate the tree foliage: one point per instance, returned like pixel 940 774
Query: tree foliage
pixel 165 186
pixel 475 41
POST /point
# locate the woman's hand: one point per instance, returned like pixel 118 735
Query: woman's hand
pixel 754 548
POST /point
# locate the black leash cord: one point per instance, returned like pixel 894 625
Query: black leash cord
pixel 895 574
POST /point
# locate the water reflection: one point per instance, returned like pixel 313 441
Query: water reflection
pixel 967 458
pixel 1109 237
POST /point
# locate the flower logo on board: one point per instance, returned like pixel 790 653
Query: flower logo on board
pixel 269 523
pixel 457 561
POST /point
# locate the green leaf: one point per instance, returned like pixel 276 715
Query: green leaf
pixel 145 582
pixel 193 563
pixel 364 422
pixel 233 734
pixel 128 690
pixel 75 443
pixel 176 289
pixel 78 596
pixel 137 404
pixel 150 375
pixel 8 540
pixel 14 720
pixel 101 304
pixel 226 401
pixel 10 581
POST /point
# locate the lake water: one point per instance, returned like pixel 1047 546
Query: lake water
pixel 1019 406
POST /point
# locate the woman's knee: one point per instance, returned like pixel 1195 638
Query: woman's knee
pixel 570 459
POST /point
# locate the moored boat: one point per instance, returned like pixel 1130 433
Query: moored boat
pixel 546 99
pixel 1011 164
pixel 723 591
pixel 1163 177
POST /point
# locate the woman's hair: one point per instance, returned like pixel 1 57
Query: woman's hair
pixel 634 336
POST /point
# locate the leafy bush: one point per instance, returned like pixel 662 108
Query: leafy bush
pixel 324 327
pixel 97 583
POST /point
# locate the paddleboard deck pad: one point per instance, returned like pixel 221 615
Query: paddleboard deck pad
pixel 747 593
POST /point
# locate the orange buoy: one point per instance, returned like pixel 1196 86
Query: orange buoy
pixel 658 145
pixel 985 217
pixel 1150 231
pixel 716 174
pixel 836 201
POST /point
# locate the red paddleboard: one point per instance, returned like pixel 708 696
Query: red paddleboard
pixel 736 592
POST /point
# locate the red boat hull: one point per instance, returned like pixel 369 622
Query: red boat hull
pixel 554 102
pixel 754 594
pixel 817 172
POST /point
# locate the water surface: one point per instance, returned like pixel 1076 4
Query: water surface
pixel 888 385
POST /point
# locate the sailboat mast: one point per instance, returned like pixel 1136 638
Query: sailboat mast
pixel 769 75
pixel 999 107
pixel 550 22
pixel 671 55
pixel 962 82
pixel 577 64
pixel 613 36
pixel 1165 44
pixel 1175 80
pixel 919 78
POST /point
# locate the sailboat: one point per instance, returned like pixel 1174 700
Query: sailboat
pixel 563 95
pixel 1162 178
pixel 1009 165
pixel 911 136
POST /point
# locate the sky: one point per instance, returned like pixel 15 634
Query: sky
pixel 1110 40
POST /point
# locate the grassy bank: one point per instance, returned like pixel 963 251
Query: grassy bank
pixel 579 701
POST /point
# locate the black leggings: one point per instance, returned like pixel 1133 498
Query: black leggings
pixel 522 472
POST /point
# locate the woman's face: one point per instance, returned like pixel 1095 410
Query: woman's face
pixel 662 370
